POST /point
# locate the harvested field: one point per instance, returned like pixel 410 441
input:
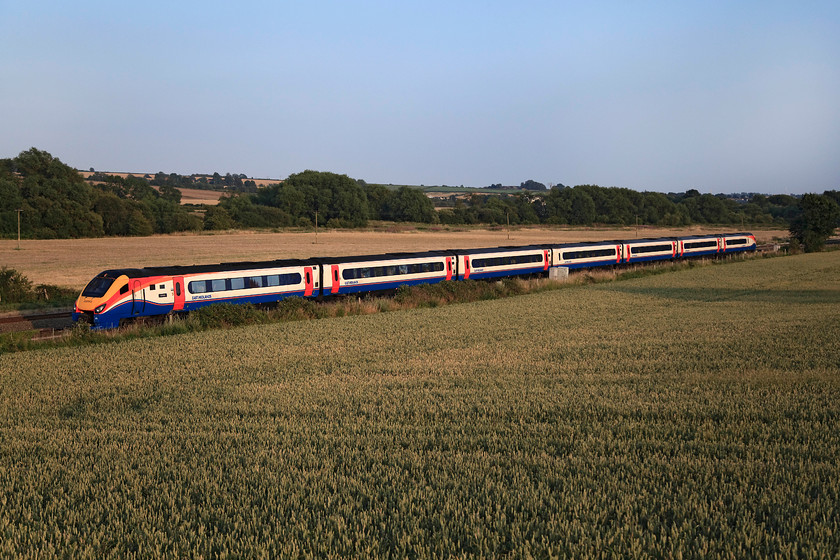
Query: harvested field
pixel 200 196
pixel 73 262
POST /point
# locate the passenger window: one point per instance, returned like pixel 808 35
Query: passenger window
pixel 177 288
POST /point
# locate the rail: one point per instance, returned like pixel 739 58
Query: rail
pixel 48 323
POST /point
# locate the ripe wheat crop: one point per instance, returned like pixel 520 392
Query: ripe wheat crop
pixel 693 414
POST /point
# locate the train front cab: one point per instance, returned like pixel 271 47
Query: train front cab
pixel 105 300
pixel 116 295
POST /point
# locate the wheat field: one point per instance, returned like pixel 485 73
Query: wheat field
pixel 688 414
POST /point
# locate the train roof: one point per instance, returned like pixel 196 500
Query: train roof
pixel 201 268
pixel 505 249
pixel 382 257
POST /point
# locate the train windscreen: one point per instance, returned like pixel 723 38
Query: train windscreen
pixel 97 287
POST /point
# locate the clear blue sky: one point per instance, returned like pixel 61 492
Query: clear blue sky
pixel 717 96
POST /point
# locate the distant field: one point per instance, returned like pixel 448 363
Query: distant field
pixel 689 414
pixel 73 262
pixel 190 196
pixel 200 196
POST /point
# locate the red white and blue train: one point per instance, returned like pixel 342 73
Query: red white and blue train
pixel 117 296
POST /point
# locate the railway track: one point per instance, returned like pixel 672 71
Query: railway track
pixel 47 324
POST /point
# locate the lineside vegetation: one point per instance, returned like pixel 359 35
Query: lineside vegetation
pixel 687 414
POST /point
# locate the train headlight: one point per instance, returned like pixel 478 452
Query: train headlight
pixel 99 309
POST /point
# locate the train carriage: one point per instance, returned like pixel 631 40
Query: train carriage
pixel 114 296
pixel 586 255
pixel 698 246
pixel 737 242
pixel 257 282
pixel 642 250
pixel 369 273
pixel 498 262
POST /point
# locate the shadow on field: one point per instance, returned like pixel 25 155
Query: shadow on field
pixel 813 297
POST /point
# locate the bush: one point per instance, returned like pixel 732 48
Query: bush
pixel 15 287
pixel 227 315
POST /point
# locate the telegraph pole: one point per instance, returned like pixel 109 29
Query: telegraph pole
pixel 19 210
pixel 316 228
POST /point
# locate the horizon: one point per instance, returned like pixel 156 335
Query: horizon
pixel 653 97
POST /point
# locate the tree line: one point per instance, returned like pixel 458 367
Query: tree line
pixel 56 202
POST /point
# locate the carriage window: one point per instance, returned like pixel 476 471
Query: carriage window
pixel 651 249
pixel 237 283
pixel 699 244
pixel 736 241
pixel 198 286
pixel 509 260
pixel 568 255
pixel 391 270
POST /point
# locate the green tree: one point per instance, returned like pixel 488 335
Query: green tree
pixel 409 205
pixel 217 218
pixel 816 222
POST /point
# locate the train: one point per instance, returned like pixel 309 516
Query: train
pixel 114 297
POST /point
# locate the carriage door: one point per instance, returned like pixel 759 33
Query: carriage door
pixel 308 281
pixel 335 283
pixel 466 267
pixel 138 299
pixel 449 268
pixel 178 282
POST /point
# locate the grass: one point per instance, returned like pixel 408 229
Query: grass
pixel 692 414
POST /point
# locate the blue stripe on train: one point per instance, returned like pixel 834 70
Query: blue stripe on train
pixel 589 264
pixel 505 272
pixel 255 299
pixel 385 285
